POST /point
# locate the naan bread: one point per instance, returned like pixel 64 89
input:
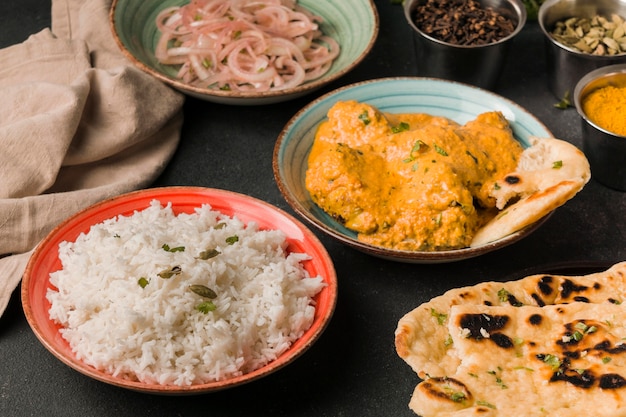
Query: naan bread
pixel 529 363
pixel 510 349
pixel 549 173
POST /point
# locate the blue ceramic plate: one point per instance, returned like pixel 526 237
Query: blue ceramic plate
pixel 459 102
pixel 353 24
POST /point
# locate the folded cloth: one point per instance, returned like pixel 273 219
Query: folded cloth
pixel 78 124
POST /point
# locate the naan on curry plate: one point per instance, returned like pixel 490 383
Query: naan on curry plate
pixel 418 182
pixel 549 173
pixel 545 345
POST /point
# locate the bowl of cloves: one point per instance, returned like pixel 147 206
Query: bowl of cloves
pixel 464 40
pixel 580 36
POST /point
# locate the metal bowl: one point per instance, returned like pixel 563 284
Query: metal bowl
pixel 605 150
pixel 566 66
pixel 480 65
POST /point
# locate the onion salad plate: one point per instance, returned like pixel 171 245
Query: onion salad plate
pixel 353 24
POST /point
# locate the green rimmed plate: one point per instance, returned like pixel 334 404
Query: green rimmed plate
pixel 457 101
pixel 354 24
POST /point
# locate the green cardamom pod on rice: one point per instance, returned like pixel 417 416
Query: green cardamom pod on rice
pixel 203 291
pixel 169 273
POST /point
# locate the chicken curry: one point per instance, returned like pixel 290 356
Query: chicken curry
pixel 414 182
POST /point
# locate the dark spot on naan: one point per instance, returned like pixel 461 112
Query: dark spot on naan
pixel 568 287
pixel 512 179
pixel 538 300
pixel 501 340
pixel 535 319
pixel 477 323
pixel 605 346
pixel 612 381
pixel 573 354
pixel 545 285
pixel 446 388
pixel 581 379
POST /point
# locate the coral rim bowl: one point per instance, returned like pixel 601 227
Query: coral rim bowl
pixel 45 260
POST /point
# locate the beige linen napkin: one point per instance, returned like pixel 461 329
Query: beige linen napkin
pixel 78 124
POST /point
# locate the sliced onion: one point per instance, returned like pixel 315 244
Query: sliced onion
pixel 249 45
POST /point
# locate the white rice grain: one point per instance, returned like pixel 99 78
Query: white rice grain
pixel 156 334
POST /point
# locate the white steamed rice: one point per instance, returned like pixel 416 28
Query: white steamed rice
pixel 156 334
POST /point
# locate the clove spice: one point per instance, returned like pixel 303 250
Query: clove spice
pixel 462 22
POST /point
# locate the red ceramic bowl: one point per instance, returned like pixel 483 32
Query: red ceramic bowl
pixel 184 199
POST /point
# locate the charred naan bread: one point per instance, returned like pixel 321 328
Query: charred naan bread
pixel 549 173
pixel 557 360
pixel 545 345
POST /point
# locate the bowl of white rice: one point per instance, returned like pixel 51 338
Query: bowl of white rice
pixel 179 290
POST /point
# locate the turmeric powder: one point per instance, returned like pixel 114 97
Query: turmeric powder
pixel 606 107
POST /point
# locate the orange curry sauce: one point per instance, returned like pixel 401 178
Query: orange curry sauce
pixel 409 181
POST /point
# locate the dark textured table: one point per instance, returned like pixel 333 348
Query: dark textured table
pixel 353 369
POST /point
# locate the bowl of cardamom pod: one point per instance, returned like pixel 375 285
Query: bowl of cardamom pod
pixel 580 36
pixel 600 99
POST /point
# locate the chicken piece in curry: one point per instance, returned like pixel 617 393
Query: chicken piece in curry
pixel 412 182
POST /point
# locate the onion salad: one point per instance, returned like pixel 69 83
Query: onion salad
pixel 243 45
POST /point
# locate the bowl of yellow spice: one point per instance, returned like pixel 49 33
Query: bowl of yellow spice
pixel 600 99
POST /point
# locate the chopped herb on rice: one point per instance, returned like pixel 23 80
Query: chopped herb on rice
pixel 126 306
